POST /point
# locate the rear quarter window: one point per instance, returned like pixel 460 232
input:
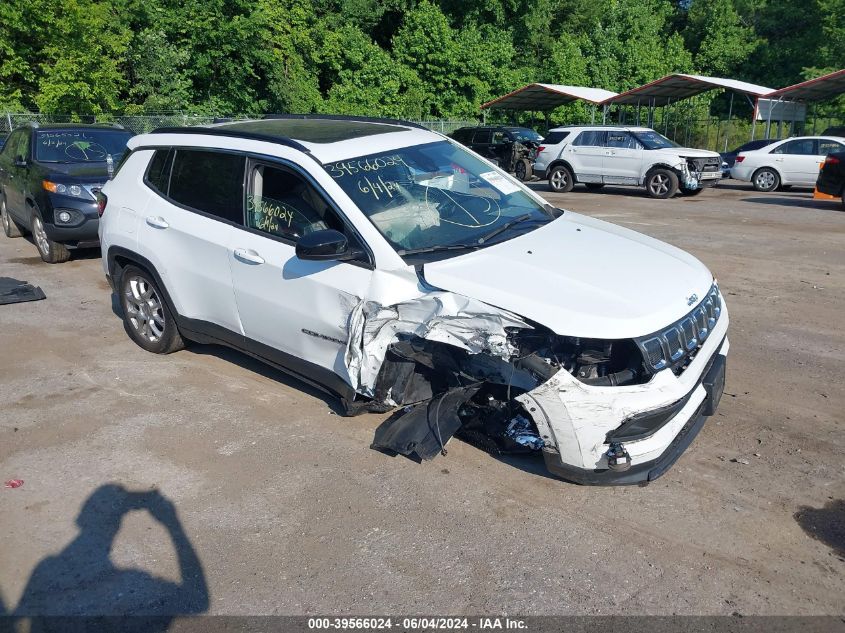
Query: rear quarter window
pixel 158 172
pixel 553 138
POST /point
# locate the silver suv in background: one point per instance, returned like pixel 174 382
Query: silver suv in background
pixel 614 155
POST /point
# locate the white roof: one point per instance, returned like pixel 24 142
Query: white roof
pixel 547 97
pixel 681 86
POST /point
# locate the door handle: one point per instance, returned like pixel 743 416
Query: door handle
pixel 248 256
pixel 158 222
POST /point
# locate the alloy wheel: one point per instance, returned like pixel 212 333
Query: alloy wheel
pixel 144 308
pixel 558 179
pixel 41 239
pixel 765 180
pixel 659 184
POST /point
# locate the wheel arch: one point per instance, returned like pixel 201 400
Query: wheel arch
pixel 560 162
pixel 658 165
pixel 119 257
pixel 766 166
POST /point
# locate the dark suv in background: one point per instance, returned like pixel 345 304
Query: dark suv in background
pixel 49 178
pixel 511 148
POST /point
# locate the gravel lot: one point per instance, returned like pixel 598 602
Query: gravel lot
pixel 281 507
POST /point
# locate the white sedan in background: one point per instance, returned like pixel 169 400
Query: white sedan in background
pixel 792 161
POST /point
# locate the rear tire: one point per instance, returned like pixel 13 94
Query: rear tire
pixel 522 170
pixel 593 186
pixel 561 180
pixel 146 316
pixel 765 179
pixel 10 227
pixel 50 251
pixel 661 183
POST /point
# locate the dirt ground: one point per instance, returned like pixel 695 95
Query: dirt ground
pixel 206 482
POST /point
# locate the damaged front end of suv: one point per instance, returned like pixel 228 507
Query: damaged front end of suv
pixel 599 411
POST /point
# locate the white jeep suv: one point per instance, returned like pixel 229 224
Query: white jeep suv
pixel 612 155
pixel 390 266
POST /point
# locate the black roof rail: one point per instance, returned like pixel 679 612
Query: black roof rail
pixel 223 131
pixel 344 117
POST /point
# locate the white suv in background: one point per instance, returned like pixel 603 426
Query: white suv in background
pixel 612 155
pixel 398 270
pixel 792 161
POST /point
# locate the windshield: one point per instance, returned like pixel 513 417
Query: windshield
pixel 435 197
pixel 653 140
pixel 524 134
pixel 80 146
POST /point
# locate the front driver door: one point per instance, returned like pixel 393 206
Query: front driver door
pixel 293 312
pixel 623 159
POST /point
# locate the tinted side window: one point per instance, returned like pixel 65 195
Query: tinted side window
pixel 553 138
pixel 209 181
pixel 592 138
pixel 828 147
pixel 481 136
pixel 621 140
pixel 499 138
pixel 462 136
pixel 803 147
pixel 158 173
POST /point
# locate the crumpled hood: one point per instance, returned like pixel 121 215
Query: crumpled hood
pixel 580 276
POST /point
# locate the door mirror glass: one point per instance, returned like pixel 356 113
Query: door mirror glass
pixel 324 245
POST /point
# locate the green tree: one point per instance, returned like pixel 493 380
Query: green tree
pixel 718 40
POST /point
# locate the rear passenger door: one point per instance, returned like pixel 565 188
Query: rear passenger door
pixel 798 161
pixel 586 155
pixel 294 312
pixel 186 230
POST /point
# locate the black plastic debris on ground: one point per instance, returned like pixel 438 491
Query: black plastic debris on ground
pixel 16 291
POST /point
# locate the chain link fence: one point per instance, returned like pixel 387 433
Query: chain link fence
pixel 141 124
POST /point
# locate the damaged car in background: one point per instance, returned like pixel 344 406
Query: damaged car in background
pixel 416 278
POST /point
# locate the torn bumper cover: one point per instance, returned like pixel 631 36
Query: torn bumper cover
pixel 581 422
pixel 450 362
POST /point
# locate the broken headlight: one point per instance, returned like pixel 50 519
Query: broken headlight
pixel 676 345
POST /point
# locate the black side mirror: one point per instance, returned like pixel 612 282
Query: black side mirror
pixel 20 161
pixel 325 245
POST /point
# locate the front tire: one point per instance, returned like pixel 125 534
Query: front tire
pixel 561 180
pixel 50 251
pixel 146 317
pixel 661 183
pixel 10 227
pixel 765 179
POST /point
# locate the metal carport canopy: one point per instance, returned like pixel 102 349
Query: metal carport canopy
pixel 675 87
pixel 547 97
pixel 818 89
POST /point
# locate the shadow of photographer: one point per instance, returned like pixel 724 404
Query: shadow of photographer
pixel 81 580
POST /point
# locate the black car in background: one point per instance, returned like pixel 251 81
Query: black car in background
pixel 510 147
pixel 49 178
pixel 2 141
pixel 729 158
pixel 832 176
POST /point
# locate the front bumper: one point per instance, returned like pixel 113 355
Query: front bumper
pixel 575 419
pixel 82 231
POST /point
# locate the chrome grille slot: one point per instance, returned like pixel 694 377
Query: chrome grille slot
pixel 677 344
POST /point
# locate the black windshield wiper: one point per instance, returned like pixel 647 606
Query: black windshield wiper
pixel 504 227
pixel 437 249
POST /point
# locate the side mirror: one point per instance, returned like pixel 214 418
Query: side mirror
pixel 20 161
pixel 325 245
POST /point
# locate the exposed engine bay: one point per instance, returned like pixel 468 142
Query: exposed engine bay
pixel 445 391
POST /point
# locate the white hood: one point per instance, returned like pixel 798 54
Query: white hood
pixel 580 276
pixel 689 152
